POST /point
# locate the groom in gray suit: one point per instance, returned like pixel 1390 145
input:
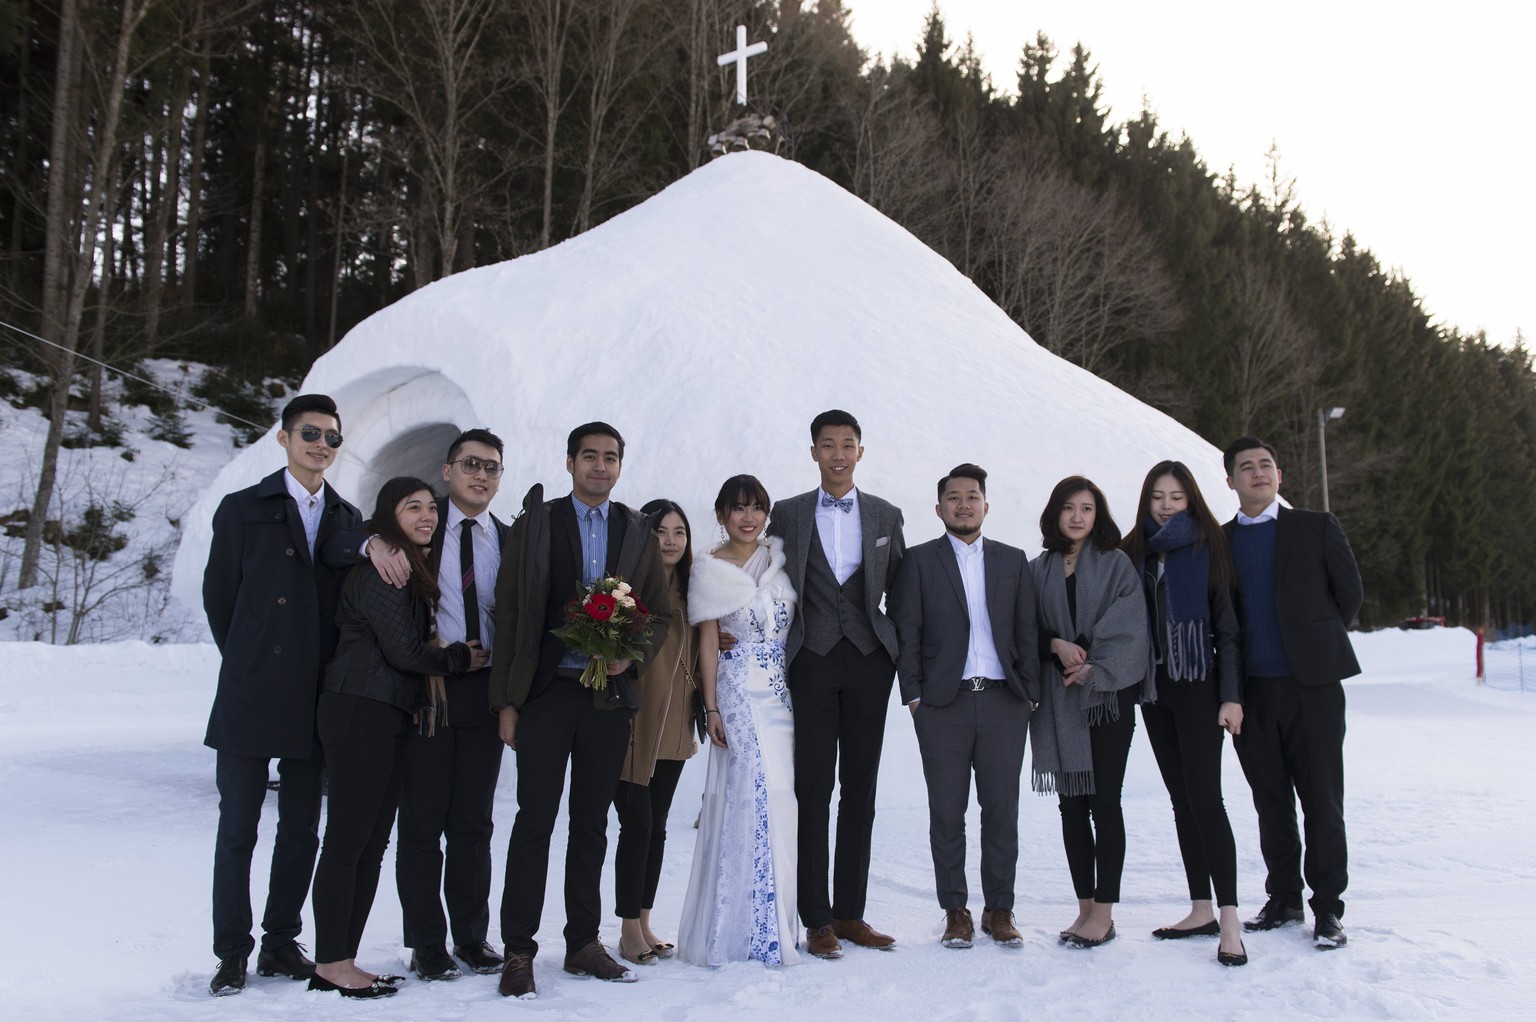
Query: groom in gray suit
pixel 842 548
pixel 969 669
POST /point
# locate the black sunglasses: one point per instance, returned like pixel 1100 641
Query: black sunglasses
pixel 472 464
pixel 309 434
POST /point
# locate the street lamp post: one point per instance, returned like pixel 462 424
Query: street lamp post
pixel 1323 418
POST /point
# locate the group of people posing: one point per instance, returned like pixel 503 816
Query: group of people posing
pixel 387 663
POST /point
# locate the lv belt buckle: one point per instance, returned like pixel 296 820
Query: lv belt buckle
pixel 977 684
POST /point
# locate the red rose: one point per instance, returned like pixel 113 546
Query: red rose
pixel 641 610
pixel 600 606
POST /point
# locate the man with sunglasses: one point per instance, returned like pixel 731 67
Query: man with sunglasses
pixel 271 605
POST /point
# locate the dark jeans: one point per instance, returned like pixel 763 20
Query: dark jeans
pixel 1292 747
pixel 840 702
pixel 242 784
pixel 1096 850
pixel 642 841
pixel 561 726
pixel 365 751
pixel 1187 742
pixel 443 850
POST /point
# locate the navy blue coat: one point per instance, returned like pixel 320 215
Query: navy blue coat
pixel 272 611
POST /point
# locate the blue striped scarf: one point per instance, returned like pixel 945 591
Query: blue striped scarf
pixel 1186 580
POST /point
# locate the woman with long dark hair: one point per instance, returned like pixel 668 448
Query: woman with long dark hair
pixel 662 742
pixel 1095 668
pixel 374 685
pixel 1187 577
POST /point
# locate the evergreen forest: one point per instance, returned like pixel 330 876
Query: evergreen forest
pixel 238 182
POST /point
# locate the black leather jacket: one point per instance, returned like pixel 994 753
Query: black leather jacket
pixel 385 651
pixel 1226 637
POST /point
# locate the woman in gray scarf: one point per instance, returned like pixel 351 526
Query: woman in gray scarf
pixel 1095 667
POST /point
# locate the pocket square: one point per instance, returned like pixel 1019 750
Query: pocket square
pixel 882 541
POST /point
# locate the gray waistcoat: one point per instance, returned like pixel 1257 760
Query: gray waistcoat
pixel 831 611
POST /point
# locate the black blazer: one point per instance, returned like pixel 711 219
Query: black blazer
pixel 1317 594
pixel 933 621
pixel 272 611
pixel 385 651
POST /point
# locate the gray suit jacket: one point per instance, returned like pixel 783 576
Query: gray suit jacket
pixel 794 521
pixel 934 623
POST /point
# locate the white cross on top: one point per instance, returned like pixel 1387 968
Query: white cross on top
pixel 739 56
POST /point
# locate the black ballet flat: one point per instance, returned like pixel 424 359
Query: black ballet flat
pixel 1233 960
pixel 1074 940
pixel 391 979
pixel 1210 929
pixel 378 988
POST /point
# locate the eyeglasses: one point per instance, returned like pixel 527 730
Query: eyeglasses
pixel 471 465
pixel 309 434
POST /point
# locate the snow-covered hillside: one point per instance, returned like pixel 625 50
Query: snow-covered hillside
pixel 109 810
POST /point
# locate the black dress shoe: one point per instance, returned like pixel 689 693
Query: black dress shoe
pixel 1232 960
pixel 1074 940
pixel 433 963
pixel 1210 929
pixel 229 979
pixel 288 960
pixel 1328 932
pixel 378 988
pixel 1277 912
pixel 480 957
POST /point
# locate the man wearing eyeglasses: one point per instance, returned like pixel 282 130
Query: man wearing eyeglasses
pixel 271 605
pixel 449 789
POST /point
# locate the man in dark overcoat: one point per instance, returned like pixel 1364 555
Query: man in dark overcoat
pixel 271 606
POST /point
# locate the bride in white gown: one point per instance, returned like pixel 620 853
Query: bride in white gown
pixel 740 903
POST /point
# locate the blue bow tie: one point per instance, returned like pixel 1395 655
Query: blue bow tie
pixel 845 503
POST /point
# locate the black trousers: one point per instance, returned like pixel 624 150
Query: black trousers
pixel 242 784
pixel 1096 849
pixel 1187 742
pixel 443 850
pixel 1292 747
pixel 365 752
pixel 840 700
pixel 561 726
pixel 642 841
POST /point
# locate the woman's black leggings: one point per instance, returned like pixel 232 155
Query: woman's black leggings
pixel 643 812
pixel 1096 850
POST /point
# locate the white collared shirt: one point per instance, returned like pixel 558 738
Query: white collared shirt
pixel 311 507
pixel 842 534
pixel 1271 513
pixel 981 659
pixel 450 608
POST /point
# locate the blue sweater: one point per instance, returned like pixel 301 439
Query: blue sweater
pixel 1253 556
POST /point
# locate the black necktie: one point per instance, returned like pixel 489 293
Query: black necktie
pixel 467 580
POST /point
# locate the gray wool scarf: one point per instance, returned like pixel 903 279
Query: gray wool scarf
pixel 1112 622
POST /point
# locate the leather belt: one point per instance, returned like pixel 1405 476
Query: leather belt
pixel 980 684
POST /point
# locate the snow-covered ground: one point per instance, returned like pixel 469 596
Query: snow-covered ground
pixel 108 809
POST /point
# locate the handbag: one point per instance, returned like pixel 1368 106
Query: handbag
pixel 700 718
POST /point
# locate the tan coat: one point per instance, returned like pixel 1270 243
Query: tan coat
pixel 663 727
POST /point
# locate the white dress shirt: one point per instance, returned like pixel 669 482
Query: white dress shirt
pixel 311 507
pixel 981 659
pixel 1271 513
pixel 842 535
pixel 450 608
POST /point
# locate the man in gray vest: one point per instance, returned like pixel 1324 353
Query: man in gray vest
pixel 843 548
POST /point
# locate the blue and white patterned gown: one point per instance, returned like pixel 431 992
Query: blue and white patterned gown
pixel 740 903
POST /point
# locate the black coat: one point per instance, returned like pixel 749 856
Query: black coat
pixel 384 652
pixel 1317 594
pixel 272 612
pixel 1226 654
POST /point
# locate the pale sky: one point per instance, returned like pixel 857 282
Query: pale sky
pixel 1407 124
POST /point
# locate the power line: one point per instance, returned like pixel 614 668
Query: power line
pixel 148 383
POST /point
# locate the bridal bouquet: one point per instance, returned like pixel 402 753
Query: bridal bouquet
pixel 607 623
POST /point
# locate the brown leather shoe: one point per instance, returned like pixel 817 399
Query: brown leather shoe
pixel 997 923
pixel 594 960
pixel 958 929
pixel 517 977
pixel 821 942
pixel 857 931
